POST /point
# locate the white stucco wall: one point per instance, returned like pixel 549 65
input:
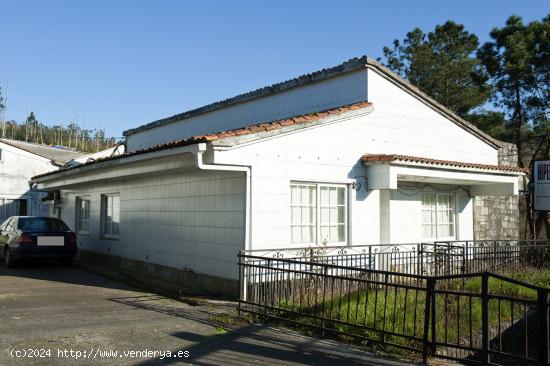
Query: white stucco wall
pixel 403 124
pixel 399 124
pixel 193 220
pixel 347 89
pixel 16 169
pixel 405 214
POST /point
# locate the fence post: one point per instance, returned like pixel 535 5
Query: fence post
pixel 485 318
pixel 241 287
pixel 420 258
pixel 370 259
pixel 542 305
pixel 265 287
pixel 430 284
pixel 494 265
pixel 465 269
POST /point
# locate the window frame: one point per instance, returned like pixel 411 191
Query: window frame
pixel 453 200
pixel 318 185
pixel 103 215
pixel 78 213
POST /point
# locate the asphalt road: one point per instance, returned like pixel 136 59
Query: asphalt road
pixel 69 316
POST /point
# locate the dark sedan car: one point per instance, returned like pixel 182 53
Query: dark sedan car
pixel 36 237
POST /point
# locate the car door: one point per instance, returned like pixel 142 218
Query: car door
pixel 4 235
pixel 3 230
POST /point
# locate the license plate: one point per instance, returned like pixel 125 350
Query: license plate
pixel 50 241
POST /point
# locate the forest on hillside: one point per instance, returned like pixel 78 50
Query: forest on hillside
pixel 72 135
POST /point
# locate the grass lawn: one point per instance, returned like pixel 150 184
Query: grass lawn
pixel 396 314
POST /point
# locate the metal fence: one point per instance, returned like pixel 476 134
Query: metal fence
pixel 434 298
pixel 437 258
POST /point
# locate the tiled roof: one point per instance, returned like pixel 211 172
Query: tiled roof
pixel 57 155
pixel 345 67
pixel 390 158
pixel 350 65
pixel 248 130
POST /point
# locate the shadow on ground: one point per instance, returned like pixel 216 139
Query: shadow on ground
pixel 51 270
pixel 262 345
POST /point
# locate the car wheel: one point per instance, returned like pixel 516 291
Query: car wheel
pixel 66 262
pixel 8 260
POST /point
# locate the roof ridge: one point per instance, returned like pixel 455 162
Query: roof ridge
pixel 351 64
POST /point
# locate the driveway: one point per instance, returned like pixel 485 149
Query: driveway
pixel 70 316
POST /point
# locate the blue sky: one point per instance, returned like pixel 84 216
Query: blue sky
pixel 119 64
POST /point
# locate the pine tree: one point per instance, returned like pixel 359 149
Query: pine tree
pixel 443 64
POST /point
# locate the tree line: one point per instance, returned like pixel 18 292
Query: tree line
pixel 502 85
pixel 72 136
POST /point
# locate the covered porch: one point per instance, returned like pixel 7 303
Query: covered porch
pixel 427 200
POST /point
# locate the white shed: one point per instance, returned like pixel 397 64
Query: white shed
pixel 19 161
pixel 350 155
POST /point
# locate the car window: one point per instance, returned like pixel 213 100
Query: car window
pixel 8 223
pixel 41 224
pixel 5 224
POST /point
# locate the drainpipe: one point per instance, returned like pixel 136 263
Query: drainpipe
pixel 232 168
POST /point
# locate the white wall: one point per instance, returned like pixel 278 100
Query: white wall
pixel 346 89
pixel 405 212
pixel 399 124
pixel 193 220
pixel 16 169
pixel 402 124
pixel 196 220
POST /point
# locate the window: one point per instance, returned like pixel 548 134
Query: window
pixel 110 215
pixel 438 216
pixel 82 214
pixel 5 225
pixel 41 224
pixel 318 213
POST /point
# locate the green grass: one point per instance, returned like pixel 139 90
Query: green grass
pixel 398 310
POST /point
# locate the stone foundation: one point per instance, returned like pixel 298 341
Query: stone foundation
pixel 171 280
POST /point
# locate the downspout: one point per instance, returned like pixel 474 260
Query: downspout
pixel 232 168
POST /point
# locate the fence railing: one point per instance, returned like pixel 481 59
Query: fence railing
pixel 443 304
pixel 436 258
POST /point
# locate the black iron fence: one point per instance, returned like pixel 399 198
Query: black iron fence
pixel 436 299
pixel 435 259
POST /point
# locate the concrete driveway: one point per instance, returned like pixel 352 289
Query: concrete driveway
pixel 70 316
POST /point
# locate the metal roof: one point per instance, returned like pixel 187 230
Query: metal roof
pixel 57 155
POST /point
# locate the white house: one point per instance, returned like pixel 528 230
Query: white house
pixel 349 155
pixel 19 161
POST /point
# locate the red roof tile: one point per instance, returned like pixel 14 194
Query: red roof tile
pixel 389 158
pixel 261 127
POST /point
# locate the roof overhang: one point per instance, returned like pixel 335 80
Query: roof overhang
pixel 481 180
pixel 157 162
